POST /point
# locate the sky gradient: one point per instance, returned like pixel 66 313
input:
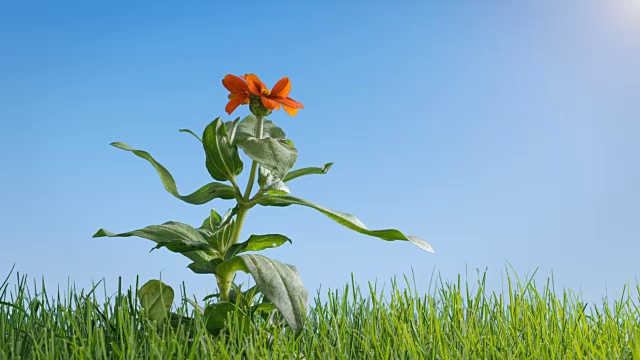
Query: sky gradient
pixel 502 132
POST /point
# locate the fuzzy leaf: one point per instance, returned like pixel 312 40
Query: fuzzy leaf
pixel 344 219
pixel 177 237
pixel 232 265
pixel 275 155
pixel 248 127
pixel 230 126
pixel 282 285
pixel 205 267
pixel 221 238
pixel 269 182
pixel 257 243
pixel 307 171
pixel 222 159
pixel 210 224
pixel 201 196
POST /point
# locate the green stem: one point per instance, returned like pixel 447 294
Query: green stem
pixel 254 165
pixel 224 284
pixel 236 187
pixel 224 280
pixel 242 214
pixel 252 178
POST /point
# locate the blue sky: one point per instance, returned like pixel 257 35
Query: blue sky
pixel 499 132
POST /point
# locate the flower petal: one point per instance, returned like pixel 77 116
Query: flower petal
pixel 291 111
pixel 290 103
pixel 235 84
pixel 254 84
pixel 269 103
pixel 236 101
pixel 282 88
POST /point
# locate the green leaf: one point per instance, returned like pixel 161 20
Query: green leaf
pixel 156 298
pixel 210 224
pixel 275 155
pixel 175 236
pixel 190 132
pixel 214 223
pixel 248 128
pixel 268 152
pixel 257 243
pixel 178 320
pixel 344 219
pixel 282 285
pixel 228 216
pixel 181 247
pixel 230 266
pixel 217 230
pixel 269 182
pixel 245 299
pixel 204 266
pixel 195 305
pixel 211 296
pixel 221 238
pixel 230 126
pixel 201 196
pixel 222 159
pixel 307 171
pixel 263 308
pixel 216 316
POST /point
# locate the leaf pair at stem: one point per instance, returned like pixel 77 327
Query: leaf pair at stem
pixel 214 247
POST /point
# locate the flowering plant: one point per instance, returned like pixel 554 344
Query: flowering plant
pixel 215 247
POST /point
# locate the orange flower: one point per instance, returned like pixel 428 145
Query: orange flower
pixel 239 90
pixel 272 99
pixel 242 90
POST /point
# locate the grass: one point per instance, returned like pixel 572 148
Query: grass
pixel 454 320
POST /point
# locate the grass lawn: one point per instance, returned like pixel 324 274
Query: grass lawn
pixel 455 320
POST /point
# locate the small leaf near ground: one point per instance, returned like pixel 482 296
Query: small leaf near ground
pixel 216 316
pixel 156 299
pixel 282 285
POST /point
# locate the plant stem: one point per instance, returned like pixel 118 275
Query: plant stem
pixel 242 211
pixel 224 284
pixel 224 280
pixel 252 176
pixel 236 187
pixel 235 235
pixel 254 165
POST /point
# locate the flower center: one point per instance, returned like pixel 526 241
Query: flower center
pixel 265 92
